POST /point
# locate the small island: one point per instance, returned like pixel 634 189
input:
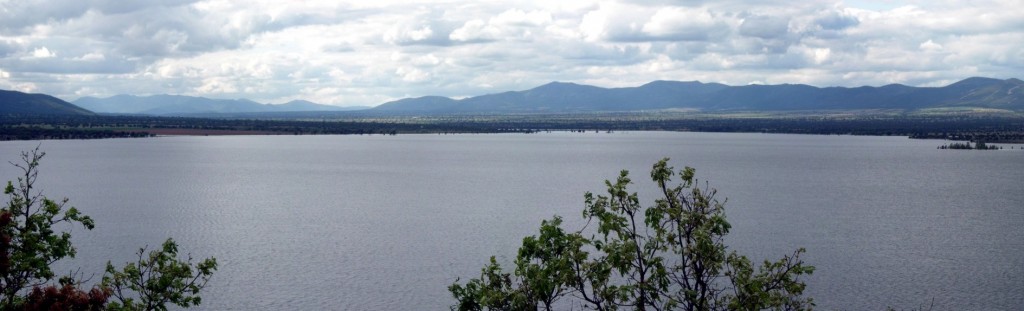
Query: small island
pixel 967 146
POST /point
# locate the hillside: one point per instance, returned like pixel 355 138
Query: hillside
pixel 18 103
pixel 569 97
pixel 190 105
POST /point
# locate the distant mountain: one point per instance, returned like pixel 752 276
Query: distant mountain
pixel 569 97
pixel 190 105
pixel 305 105
pixel 420 104
pixel 14 102
pixel 986 92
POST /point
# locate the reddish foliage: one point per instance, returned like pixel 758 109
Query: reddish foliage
pixel 66 298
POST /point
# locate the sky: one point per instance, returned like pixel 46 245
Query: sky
pixel 364 53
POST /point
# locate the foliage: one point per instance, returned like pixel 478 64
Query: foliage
pixel 667 256
pixel 543 267
pixel 157 279
pixel 29 245
pixel 65 297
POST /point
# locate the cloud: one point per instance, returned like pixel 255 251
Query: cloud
pixel 474 30
pixel 8 47
pixel 517 17
pixel 836 20
pixel 65 66
pixel 364 53
pixel 930 46
pixel 43 52
pixel 512 24
pixel 629 23
pixel 683 24
pixel 764 27
pixel 18 16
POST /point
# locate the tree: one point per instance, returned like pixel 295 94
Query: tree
pixel 157 279
pixel 29 244
pixel 543 266
pixel 667 256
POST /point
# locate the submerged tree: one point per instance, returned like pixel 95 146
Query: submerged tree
pixel 664 257
pixel 29 245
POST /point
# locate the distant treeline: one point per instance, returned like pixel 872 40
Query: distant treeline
pixel 964 128
pixel 37 133
pixel 91 127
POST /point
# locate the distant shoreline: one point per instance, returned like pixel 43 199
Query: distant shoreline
pixel 959 127
pixel 204 132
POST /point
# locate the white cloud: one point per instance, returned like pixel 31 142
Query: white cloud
pixel 511 24
pixel 519 17
pixel 472 30
pixel 217 85
pixel 91 57
pixel 366 52
pixel 43 52
pixel 684 24
pixel 426 61
pixel 412 74
pixel 820 56
pixel 930 46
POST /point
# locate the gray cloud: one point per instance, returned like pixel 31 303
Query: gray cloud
pixel 8 48
pixel 155 32
pixel 764 27
pixel 66 66
pixel 18 15
pixel 364 53
pixel 835 20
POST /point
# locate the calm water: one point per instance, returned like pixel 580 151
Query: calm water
pixel 388 222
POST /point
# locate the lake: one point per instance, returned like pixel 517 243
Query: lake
pixel 388 222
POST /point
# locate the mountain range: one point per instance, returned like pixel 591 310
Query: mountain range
pixel 187 105
pixel 560 97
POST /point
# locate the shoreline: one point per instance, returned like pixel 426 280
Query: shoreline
pixel 204 132
pixel 180 132
pixel 987 129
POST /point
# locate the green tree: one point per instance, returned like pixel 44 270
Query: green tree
pixel 543 266
pixel 29 245
pixel 158 278
pixel 664 257
pixel 545 262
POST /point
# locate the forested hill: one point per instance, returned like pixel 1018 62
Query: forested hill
pixel 18 103
pixel 562 97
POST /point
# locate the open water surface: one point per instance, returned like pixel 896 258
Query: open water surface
pixel 388 222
